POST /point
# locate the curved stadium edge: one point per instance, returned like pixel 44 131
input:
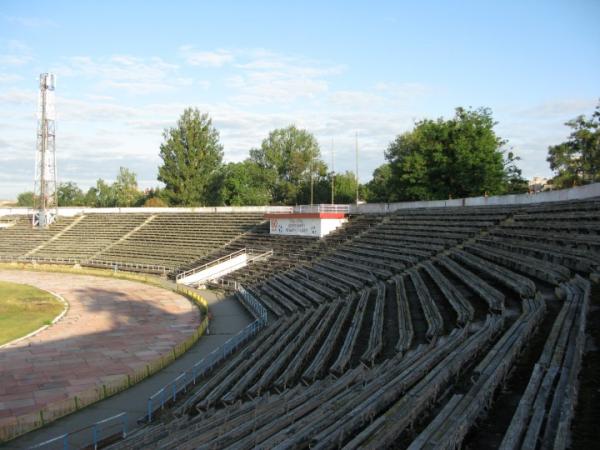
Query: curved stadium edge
pixel 56 410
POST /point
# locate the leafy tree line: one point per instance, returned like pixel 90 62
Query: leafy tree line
pixel 577 160
pixel 441 159
pixel 438 159
pixel 286 169
pixel 124 192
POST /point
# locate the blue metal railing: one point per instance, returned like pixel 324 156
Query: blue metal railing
pixel 253 305
pixel 114 427
pixel 169 393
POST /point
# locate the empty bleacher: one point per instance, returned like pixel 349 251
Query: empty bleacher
pixel 396 330
pixel 20 239
pixel 168 240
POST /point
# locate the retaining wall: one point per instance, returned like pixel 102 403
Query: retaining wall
pixel 70 212
pixel 576 193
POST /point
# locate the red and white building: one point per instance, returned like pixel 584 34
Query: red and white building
pixel 307 220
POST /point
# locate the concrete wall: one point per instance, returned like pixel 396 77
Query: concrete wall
pixel 70 212
pixel 576 193
pixel 580 192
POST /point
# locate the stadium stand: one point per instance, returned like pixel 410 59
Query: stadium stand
pixel 166 240
pixel 396 330
pixel 20 239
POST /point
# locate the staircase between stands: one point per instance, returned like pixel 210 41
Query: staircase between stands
pixel 220 267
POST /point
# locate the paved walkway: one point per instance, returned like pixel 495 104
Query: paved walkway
pixel 228 318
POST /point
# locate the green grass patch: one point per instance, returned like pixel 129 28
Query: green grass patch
pixel 24 309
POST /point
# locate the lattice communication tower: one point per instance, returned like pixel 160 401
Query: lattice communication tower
pixel 45 198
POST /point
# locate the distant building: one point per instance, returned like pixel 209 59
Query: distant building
pixel 539 184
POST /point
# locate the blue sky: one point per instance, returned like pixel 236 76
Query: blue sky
pixel 127 69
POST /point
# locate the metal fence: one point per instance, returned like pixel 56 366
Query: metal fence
pixel 115 427
pixel 113 265
pixel 210 264
pixel 105 431
pixel 322 208
pixel 169 393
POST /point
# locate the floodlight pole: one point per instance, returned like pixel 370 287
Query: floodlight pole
pixel 356 148
pixel 332 174
pixel 312 179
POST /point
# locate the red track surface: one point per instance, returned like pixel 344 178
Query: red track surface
pixel 112 328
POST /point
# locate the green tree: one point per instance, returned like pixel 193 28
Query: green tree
pixel 345 188
pixel 152 197
pixel 25 199
pixel 154 202
pixel 577 161
pixel 105 195
pixel 289 158
pixel 69 194
pixel 191 155
pixel 243 184
pixel 378 189
pixel 91 197
pixel 125 188
pixel 515 183
pixel 440 158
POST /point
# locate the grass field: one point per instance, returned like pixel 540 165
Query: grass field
pixel 24 309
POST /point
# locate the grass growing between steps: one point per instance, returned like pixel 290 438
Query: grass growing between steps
pixel 24 309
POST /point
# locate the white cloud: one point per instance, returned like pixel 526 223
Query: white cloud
pixel 531 129
pixel 150 124
pixel 33 22
pixel 98 132
pixel 135 75
pixel 17 46
pixel 14 60
pixel 70 110
pixel 559 108
pixel 402 91
pixel 20 97
pixel 17 54
pixel 265 77
pixel 9 77
pixel 360 99
pixel 216 58
pixel 95 97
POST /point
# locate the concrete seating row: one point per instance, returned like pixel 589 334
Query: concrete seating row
pixel 521 285
pixel 319 363
pixel 545 411
pixel 493 297
pixel 405 326
pixel 20 239
pixel 464 310
pixel 544 270
pixel 343 358
pixel 435 322
pixel 376 333
pixel 572 258
pixel 403 412
pixel 450 426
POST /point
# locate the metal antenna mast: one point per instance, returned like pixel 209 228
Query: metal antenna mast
pixel 45 200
